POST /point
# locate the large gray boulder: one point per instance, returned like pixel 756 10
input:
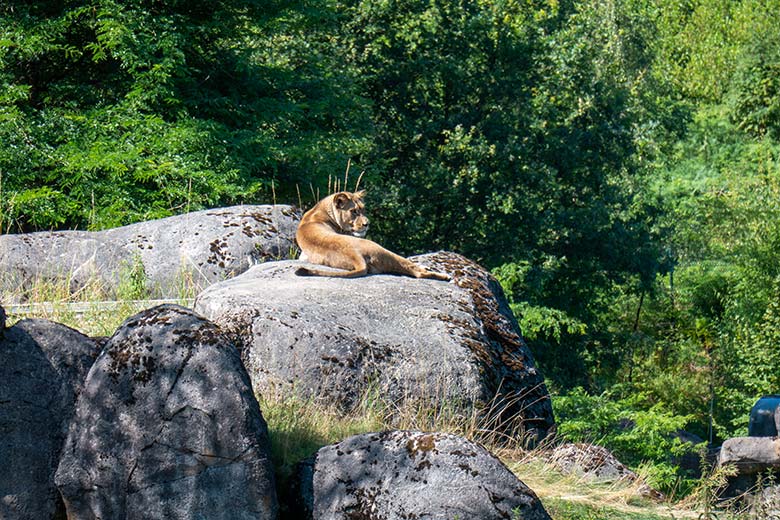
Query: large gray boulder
pixel 453 345
pixel 405 474
pixel 42 370
pixel 167 427
pixel 197 248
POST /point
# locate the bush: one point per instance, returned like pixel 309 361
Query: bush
pixel 638 433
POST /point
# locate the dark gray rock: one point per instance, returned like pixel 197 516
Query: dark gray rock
pixel 167 427
pixel 200 247
pixel 449 344
pixel 403 474
pixel 43 368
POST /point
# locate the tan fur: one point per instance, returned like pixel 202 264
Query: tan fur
pixel 331 233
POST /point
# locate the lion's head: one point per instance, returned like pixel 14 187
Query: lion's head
pixel 348 213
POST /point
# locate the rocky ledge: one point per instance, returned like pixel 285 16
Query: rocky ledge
pixel 197 248
pixel 451 344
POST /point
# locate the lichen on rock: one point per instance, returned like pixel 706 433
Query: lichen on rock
pixel 450 345
pixel 168 427
pixel 409 474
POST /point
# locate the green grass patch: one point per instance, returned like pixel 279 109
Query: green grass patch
pixel 298 428
pixel 561 509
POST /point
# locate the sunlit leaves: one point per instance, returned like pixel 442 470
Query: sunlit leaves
pixel 131 110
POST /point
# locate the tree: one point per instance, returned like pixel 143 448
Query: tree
pixel 112 112
pixel 505 131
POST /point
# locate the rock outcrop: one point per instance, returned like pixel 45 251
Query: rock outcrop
pixel 451 344
pixel 750 457
pixel 42 370
pixel 404 474
pixel 197 248
pixel 167 427
pixel 591 462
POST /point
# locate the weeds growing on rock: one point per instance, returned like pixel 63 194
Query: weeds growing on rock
pixel 92 307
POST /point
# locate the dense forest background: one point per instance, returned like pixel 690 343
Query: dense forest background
pixel 616 163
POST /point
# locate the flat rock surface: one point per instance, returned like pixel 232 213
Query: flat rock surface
pixel 454 344
pixel 42 370
pixel 752 457
pixel 751 454
pixel 197 248
pixel 406 474
pixel 167 427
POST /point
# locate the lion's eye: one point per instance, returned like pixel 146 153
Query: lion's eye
pixel 354 212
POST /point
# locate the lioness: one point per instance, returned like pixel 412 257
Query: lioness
pixel 331 233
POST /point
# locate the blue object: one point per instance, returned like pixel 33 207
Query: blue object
pixel 764 417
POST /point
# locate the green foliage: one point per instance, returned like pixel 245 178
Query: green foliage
pixel 696 339
pixel 547 151
pixel 636 431
pixel 536 322
pixel 516 148
pixel 553 334
pixel 116 112
pixel 698 42
pixel 721 194
pixel 754 96
pixel 570 510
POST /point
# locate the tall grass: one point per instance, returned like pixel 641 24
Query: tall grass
pixel 92 307
pixel 298 428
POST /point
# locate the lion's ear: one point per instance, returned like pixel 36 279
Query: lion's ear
pixel 340 200
pixel 359 194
